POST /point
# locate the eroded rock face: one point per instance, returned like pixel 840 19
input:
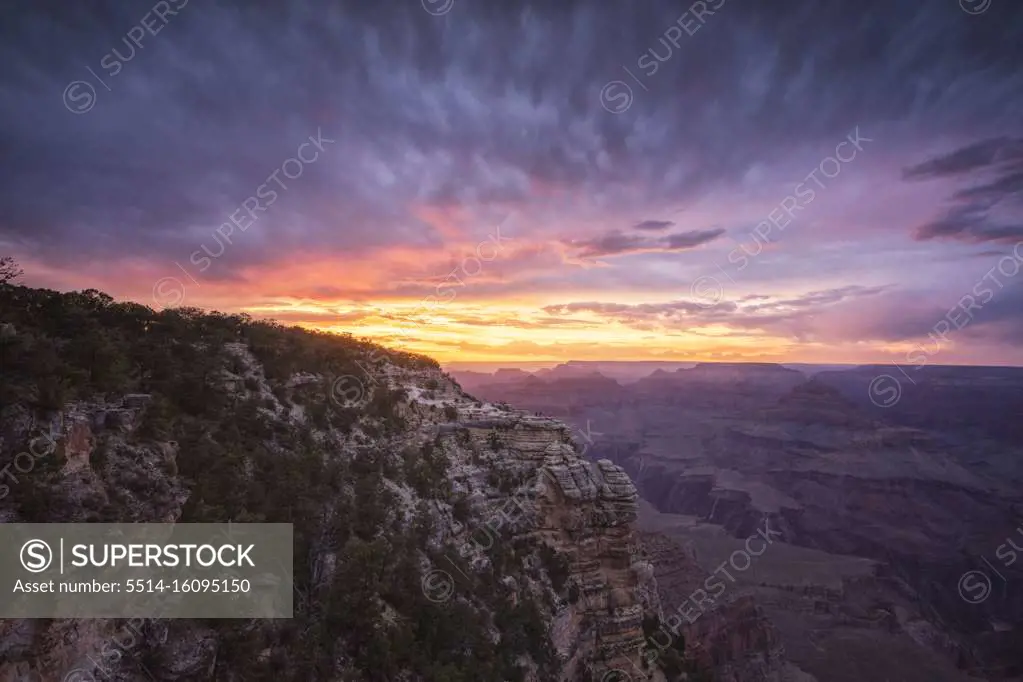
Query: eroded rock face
pixel 574 481
pixel 737 641
pixel 578 519
pixel 582 511
pixel 734 639
pixel 617 494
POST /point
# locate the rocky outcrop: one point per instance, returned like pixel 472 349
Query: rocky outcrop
pixel 595 587
pixel 583 513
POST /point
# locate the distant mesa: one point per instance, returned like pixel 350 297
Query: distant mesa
pixel 510 373
pixel 816 393
pixel 745 370
pixel 815 402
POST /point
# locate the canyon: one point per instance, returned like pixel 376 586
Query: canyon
pixel 717 522
pixel 882 512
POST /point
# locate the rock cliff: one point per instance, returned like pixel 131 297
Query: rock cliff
pixel 396 489
pixel 580 511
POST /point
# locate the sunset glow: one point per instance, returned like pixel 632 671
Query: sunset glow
pixel 827 204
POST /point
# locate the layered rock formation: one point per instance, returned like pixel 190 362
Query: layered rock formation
pixel 735 639
pixel 585 516
pixel 569 520
pixel 583 512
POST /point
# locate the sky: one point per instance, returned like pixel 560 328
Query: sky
pixel 521 182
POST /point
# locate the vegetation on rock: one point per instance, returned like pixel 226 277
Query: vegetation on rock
pixel 241 455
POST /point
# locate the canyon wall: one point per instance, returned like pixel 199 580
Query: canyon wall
pixel 509 477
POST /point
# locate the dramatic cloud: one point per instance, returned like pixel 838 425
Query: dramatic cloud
pixel 339 162
pixel 969 223
pixel 975 215
pixel 977 156
pixel 621 244
pixel 653 225
pixel 774 314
